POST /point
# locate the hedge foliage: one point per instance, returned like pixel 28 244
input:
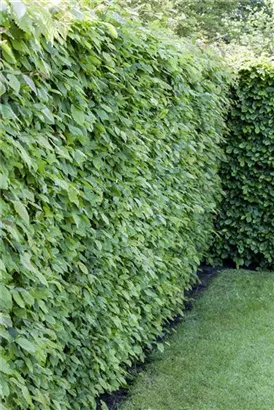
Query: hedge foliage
pixel 109 152
pixel 246 220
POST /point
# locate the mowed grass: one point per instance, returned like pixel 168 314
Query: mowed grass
pixel 222 356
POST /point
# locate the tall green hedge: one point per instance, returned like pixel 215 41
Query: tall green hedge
pixel 109 152
pixel 246 220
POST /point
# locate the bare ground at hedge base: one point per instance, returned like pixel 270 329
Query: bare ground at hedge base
pixel 222 355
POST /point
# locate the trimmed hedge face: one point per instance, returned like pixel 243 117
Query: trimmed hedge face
pixel 109 146
pixel 246 220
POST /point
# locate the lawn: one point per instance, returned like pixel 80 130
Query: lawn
pixel 222 355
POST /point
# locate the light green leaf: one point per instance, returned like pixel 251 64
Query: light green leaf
pixel 105 218
pixel 83 268
pixel 7 52
pixel 30 82
pixel 78 115
pixel 18 299
pixel 2 88
pixel 41 277
pixel 4 390
pixel 4 366
pixel 29 300
pixel 5 320
pixel 26 344
pixel 103 405
pixel 112 30
pixel 26 262
pixel 48 114
pixel 3 181
pixel 160 347
pixel 5 298
pixel 25 156
pixel 21 210
pixel 14 83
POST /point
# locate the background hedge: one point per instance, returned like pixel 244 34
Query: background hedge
pixel 109 151
pixel 246 220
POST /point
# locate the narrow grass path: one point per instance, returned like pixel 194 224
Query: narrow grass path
pixel 222 356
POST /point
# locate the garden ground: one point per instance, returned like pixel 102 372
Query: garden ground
pixel 222 355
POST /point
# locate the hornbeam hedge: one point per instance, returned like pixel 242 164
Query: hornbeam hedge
pixel 246 220
pixel 109 152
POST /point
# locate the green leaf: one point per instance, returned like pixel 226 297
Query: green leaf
pixel 26 344
pixel 160 347
pixel 112 30
pixel 30 82
pixel 7 52
pixel 25 259
pixel 83 268
pixel 4 366
pixel 21 210
pixel 2 88
pixel 18 299
pixel 3 181
pixel 27 297
pixel 23 389
pixel 14 83
pixel 78 115
pixel 5 298
pixel 105 218
pixel 5 319
pixel 4 390
pixel 103 405
pixel 48 115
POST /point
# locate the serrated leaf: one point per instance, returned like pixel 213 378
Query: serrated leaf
pixel 26 344
pixel 14 83
pixel 112 30
pixel 5 320
pixel 21 210
pixel 5 298
pixel 105 218
pixel 160 347
pixel 25 259
pixel 3 181
pixel 78 115
pixel 83 268
pixel 30 82
pixel 41 277
pixel 4 366
pixel 103 405
pixel 49 116
pixel 25 156
pixel 18 299
pixel 7 52
pixel 4 390
pixel 26 296
pixel 2 88
pixel 23 389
